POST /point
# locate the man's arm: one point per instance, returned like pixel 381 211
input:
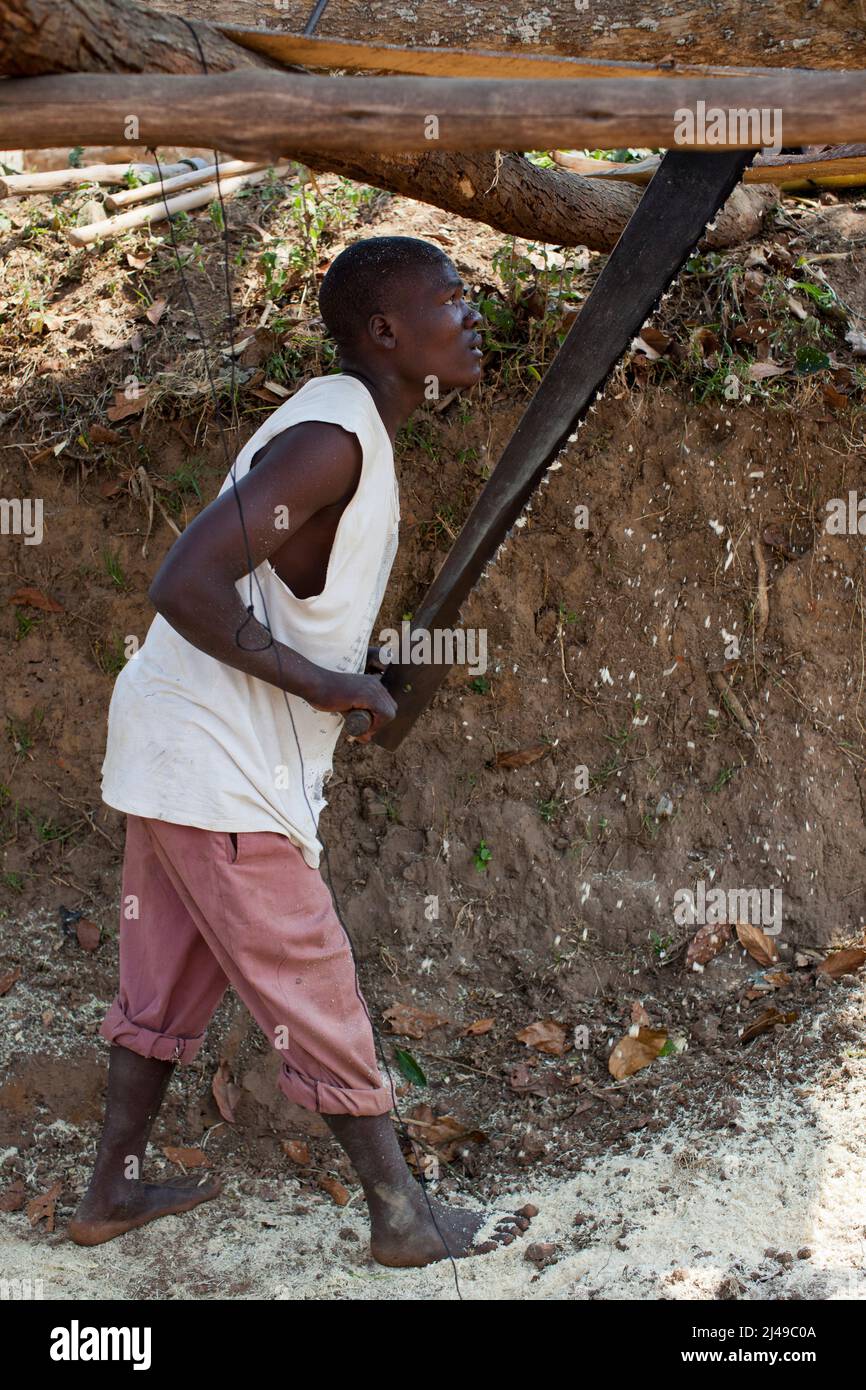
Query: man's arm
pixel 308 467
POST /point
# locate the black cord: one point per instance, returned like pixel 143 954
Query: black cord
pixel 314 17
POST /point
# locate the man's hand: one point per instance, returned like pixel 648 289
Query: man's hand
pixel 377 660
pixel 339 693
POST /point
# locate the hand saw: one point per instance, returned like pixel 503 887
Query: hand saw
pixel 685 194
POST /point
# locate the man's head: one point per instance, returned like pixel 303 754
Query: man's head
pixel 397 303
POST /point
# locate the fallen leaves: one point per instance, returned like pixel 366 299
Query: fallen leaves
pixel 407 1021
pixel 297 1151
pixel 760 947
pixel 44 1208
pixel 15 1196
pixel 841 963
pixel 765 1022
pixel 707 942
pixel 124 405
pixel 9 979
pixel 547 1036
pixel 87 933
pixel 34 598
pixel 635 1051
pixel 185 1158
pixel 226 1092
pixel 444 1134
pixel 522 757
pixel 478 1028
pixel 335 1190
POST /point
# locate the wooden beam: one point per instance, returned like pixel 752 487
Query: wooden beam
pixel 351 55
pixel 779 33
pixel 254 114
pixel 844 166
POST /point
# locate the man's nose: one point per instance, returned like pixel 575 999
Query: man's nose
pixel 476 318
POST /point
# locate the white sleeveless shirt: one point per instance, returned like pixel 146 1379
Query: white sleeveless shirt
pixel 194 741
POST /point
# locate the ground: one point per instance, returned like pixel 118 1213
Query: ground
pixel 489 895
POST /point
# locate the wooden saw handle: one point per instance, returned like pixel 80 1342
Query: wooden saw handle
pixel 357 722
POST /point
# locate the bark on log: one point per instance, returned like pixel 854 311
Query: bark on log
pixel 507 192
pixel 777 33
pixel 265 114
pixel 42 36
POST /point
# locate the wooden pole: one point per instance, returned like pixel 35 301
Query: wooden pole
pixel 256 114
pixel 51 179
pixel 843 166
pixel 127 196
pixel 166 207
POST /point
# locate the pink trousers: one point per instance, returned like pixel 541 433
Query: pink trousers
pixel 202 909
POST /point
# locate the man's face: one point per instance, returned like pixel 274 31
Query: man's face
pixel 436 331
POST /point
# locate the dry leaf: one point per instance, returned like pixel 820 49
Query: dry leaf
pixel 34 598
pixel 767 1020
pixel 521 1079
pixel 547 1036
pixel 125 406
pixel 777 979
pixel 296 1150
pixel 187 1158
pixel 639 1015
pixel 8 980
pixel 156 310
pixel 87 933
pixel 137 262
pixel 522 757
pixel 408 1022
pixel 842 962
pixel 43 1208
pixel 226 1092
pixel 14 1198
pixel 481 1025
pixel 335 1189
pixel 101 434
pixel 706 943
pixel 634 1052
pixel 760 947
pixel 759 371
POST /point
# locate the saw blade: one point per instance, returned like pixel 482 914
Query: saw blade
pixel 687 191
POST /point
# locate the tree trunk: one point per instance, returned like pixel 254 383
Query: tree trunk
pixel 776 33
pixel 42 36
pixel 507 192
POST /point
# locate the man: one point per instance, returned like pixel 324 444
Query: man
pixel 221 736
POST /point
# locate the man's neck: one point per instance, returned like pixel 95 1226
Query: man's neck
pixel 395 400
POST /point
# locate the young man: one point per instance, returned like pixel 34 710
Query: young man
pixel 221 735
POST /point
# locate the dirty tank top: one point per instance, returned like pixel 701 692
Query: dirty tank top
pixel 196 742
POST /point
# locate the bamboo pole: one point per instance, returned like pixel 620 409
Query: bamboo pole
pixel 115 201
pixel 166 207
pixel 259 114
pixel 51 179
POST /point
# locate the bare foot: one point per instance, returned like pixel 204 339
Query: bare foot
pixel 95 1222
pixel 409 1243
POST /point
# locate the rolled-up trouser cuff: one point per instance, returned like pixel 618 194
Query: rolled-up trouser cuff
pixel 333 1100
pixel 119 1029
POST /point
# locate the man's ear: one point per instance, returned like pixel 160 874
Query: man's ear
pixel 381 330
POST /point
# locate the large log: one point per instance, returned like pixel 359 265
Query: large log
pixel 505 191
pixel 256 114
pixel 774 33
pixel 42 36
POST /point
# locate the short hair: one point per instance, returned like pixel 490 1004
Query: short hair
pixel 367 278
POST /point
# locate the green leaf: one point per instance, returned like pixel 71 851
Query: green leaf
pixel 811 359
pixel 409 1067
